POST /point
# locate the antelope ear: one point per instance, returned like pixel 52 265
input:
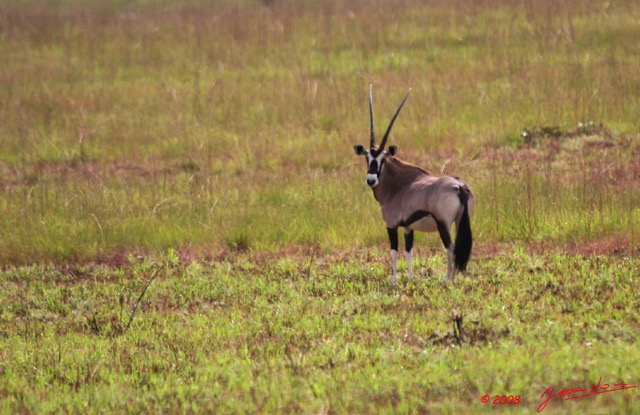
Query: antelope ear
pixel 359 150
pixel 392 150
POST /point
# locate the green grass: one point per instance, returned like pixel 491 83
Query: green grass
pixel 205 150
pixel 310 333
pixel 164 124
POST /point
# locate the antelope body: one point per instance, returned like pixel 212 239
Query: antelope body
pixel 415 200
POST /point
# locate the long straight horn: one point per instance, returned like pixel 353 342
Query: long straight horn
pixel 386 135
pixel 373 133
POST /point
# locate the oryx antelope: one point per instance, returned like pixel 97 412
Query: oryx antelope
pixel 415 200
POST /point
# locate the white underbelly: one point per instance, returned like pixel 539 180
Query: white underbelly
pixel 426 224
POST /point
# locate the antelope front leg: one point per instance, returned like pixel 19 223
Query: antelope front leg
pixel 408 251
pixel 393 241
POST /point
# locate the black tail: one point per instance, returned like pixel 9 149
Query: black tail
pixel 464 239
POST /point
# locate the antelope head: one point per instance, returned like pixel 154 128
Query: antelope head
pixel 376 156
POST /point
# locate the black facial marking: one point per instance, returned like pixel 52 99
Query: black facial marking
pixel 393 238
pixel 373 167
pixel 415 216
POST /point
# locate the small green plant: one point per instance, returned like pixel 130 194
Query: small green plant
pixel 239 242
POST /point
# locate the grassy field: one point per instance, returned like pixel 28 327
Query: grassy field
pixel 256 333
pixel 184 226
